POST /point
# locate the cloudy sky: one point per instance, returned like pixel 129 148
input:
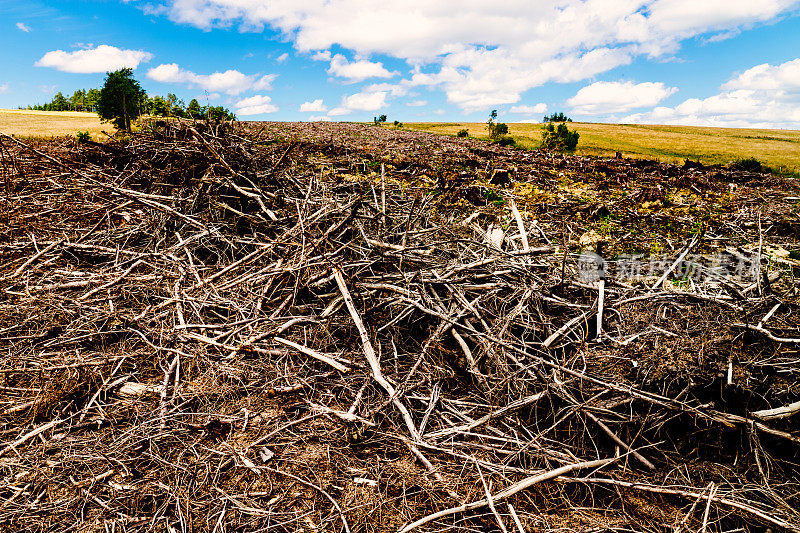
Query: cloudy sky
pixel 708 62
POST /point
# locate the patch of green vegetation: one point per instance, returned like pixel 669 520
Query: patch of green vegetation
pixel 493 197
pixel 749 164
pixel 607 226
pixel 506 140
pixel 681 283
pixel 559 138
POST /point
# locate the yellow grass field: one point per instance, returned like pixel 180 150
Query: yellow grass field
pixel 776 148
pixel 25 123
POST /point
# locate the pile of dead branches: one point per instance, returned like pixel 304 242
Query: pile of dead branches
pixel 338 327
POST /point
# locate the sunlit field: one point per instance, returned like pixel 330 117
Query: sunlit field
pixel 45 124
pixel 776 148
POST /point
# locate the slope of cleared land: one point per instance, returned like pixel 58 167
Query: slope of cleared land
pixel 779 149
pixel 343 328
pixel 48 124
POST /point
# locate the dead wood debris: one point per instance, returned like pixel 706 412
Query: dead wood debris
pixel 284 327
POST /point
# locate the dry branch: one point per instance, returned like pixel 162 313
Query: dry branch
pixel 510 491
pixel 134 399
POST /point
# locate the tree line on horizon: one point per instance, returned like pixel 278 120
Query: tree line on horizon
pixel 161 106
pixel 556 117
pixel 81 100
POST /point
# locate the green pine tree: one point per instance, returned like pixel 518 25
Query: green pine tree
pixel 122 99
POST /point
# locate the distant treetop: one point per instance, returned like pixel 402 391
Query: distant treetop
pixel 557 117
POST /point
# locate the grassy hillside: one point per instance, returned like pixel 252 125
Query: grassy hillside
pixel 776 148
pixel 50 123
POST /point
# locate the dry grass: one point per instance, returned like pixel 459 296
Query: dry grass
pixel 776 148
pixel 48 124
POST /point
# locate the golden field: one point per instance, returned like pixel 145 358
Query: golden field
pixel 776 148
pixel 26 123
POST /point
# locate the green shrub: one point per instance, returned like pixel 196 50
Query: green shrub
pixel 748 164
pixel 497 129
pixel 398 124
pixel 462 133
pixel 559 138
pixel 83 136
pixel 506 140
pixel 492 196
pixel 500 129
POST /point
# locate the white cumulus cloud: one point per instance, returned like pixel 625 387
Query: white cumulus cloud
pixel 355 71
pixel 4 88
pixel 264 83
pixel 231 81
pixel 608 97
pixel 363 101
pixel 23 27
pixel 103 58
pixel 255 105
pixel 283 57
pixel 169 73
pixel 764 96
pixel 485 54
pixel 317 106
pixel 417 103
pixel 394 89
pixel 537 109
pixel 766 77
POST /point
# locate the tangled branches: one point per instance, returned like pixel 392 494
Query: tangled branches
pixel 285 327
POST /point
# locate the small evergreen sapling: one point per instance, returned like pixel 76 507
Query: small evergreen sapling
pixel 496 129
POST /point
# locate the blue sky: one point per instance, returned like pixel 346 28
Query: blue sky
pixel 715 62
